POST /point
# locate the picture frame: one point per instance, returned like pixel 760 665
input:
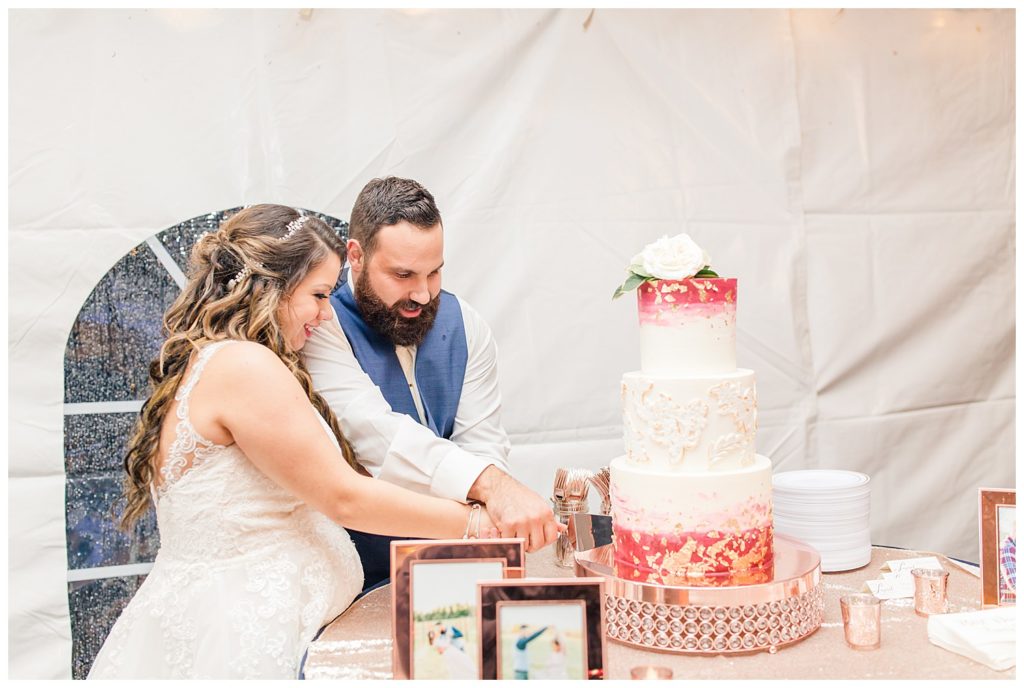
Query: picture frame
pixel 997 512
pixel 542 628
pixel 433 600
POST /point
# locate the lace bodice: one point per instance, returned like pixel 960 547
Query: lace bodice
pixel 188 442
pixel 243 564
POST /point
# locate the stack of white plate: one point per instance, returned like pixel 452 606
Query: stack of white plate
pixel 829 510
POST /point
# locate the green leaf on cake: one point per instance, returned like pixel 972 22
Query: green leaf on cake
pixel 632 282
pixel 706 271
pixel 638 269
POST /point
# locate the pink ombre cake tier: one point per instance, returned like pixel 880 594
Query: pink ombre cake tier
pixel 692 528
pixel 688 327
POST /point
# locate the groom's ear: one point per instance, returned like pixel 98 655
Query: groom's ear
pixel 355 255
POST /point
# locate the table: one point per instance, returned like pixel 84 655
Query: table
pixel 357 645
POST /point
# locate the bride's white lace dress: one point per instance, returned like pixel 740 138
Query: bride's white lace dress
pixel 245 576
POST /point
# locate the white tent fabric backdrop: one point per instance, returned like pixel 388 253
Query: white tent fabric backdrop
pixel 854 170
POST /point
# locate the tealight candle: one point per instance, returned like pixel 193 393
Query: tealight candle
pixel 929 591
pixel 862 621
pixel 647 673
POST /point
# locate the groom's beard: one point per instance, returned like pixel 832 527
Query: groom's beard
pixel 388 321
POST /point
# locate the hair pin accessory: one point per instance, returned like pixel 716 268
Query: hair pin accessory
pixel 294 226
pixel 241 275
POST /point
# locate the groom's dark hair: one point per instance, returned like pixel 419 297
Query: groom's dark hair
pixel 389 201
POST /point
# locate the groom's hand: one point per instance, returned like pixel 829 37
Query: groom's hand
pixel 516 510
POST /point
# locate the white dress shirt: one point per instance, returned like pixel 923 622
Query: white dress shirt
pixel 392 445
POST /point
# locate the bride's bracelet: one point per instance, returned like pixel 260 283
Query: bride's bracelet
pixel 474 512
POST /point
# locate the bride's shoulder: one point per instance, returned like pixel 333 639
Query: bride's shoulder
pixel 246 361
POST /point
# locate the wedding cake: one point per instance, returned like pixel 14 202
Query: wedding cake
pixel 691 500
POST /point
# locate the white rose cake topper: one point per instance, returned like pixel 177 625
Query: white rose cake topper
pixel 668 258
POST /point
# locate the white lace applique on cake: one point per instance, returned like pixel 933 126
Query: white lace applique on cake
pixel 690 425
pixel 726 447
pixel 740 404
pixel 663 422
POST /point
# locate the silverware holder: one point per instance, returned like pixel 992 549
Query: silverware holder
pixel 565 546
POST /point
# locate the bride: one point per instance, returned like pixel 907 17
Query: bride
pixel 250 474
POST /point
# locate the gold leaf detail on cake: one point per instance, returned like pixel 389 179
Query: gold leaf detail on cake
pixel 715 550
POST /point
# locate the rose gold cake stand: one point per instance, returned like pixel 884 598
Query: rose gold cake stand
pixel 712 620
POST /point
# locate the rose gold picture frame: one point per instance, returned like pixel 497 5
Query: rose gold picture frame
pixel 494 596
pixel 405 554
pixel 996 519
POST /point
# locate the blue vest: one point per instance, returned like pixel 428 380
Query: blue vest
pixel 440 368
pixel 440 361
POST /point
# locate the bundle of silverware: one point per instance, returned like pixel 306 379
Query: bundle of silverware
pixel 602 482
pixel 570 497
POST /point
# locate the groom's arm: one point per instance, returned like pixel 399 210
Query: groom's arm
pixel 516 510
pixel 395 448
pixel 391 445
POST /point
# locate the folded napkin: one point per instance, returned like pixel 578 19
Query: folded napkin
pixel 987 636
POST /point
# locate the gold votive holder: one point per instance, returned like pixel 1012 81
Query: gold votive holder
pixel 862 621
pixel 930 591
pixel 647 673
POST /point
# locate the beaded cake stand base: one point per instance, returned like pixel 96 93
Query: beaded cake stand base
pixel 713 620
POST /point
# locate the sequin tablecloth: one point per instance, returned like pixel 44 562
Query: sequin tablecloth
pixel 357 645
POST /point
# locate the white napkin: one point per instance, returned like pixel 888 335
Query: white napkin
pixel 987 636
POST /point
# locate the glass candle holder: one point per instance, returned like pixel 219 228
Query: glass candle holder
pixel 647 673
pixel 862 621
pixel 930 591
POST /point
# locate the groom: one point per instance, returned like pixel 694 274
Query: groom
pixel 411 372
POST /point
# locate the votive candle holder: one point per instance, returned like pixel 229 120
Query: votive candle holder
pixel 647 672
pixel 930 591
pixel 862 621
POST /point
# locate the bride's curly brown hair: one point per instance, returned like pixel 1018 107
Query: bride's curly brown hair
pixel 216 305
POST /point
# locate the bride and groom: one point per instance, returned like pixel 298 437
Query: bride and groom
pixel 267 510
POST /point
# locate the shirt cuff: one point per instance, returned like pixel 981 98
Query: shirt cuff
pixel 456 474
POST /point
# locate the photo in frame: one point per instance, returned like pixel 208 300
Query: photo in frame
pixel 435 624
pixel 997 518
pixel 542 628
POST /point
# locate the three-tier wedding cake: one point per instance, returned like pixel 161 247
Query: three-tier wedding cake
pixel 691 500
